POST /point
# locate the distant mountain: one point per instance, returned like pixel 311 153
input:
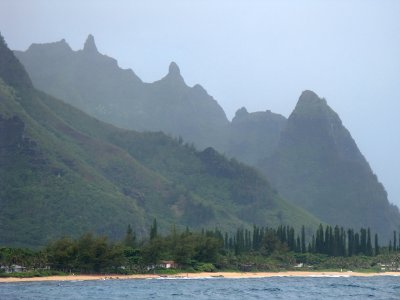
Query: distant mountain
pixel 94 83
pixel 318 166
pixel 254 136
pixel 310 158
pixel 65 173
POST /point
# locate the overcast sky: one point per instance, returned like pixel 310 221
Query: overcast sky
pixel 257 54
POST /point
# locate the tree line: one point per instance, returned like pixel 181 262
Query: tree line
pixel 203 250
pixel 332 241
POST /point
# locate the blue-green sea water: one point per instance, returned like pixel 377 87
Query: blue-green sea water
pixel 386 287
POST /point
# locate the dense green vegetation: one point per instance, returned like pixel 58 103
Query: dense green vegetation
pixel 259 249
pixel 65 173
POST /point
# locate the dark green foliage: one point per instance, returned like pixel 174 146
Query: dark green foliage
pixel 363 241
pixel 369 250
pixel 336 242
pixel 130 237
pixel 303 240
pixel 23 257
pixel 186 248
pixel 153 230
pixel 87 254
pixel 262 248
pixel 376 243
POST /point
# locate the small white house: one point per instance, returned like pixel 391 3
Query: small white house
pixel 168 264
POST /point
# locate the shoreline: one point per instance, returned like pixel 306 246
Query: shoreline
pixel 229 275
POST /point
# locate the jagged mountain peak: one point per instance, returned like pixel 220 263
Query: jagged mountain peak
pixel 241 113
pixel 310 98
pixel 311 104
pixel 263 116
pixel 60 47
pixel 90 45
pixel 174 69
pixel 174 74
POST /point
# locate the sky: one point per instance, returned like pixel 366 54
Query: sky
pixel 254 53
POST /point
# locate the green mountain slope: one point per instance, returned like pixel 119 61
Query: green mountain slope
pixel 319 167
pixel 63 172
pixel 229 193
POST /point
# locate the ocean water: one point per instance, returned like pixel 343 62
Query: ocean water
pixel 386 287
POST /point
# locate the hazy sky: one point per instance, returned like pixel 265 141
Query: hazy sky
pixel 257 54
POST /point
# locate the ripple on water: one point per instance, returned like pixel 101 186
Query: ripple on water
pixel 223 288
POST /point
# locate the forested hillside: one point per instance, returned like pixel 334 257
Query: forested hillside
pixel 65 173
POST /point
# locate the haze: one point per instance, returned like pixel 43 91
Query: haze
pixel 257 54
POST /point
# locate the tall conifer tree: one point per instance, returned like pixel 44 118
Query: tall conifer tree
pixel 303 240
pixel 377 250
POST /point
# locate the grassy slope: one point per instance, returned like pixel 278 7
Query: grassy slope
pixel 50 189
pixel 87 179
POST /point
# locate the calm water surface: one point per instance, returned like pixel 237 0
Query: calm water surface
pixel 386 287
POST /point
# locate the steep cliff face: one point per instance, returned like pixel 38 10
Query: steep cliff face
pixel 318 166
pixel 12 71
pixel 253 136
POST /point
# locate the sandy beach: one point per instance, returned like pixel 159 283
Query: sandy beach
pixel 199 275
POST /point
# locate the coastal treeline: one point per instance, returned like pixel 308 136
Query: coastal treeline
pixel 259 248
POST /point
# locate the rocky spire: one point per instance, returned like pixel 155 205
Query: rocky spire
pixel 174 69
pixel 174 75
pixel 90 45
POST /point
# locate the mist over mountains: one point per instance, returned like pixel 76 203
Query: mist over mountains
pixel 94 83
pixel 310 158
pixel 63 172
pixel 318 166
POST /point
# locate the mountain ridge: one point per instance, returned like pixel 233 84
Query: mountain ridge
pixel 190 113
pixel 136 100
pixel 64 172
